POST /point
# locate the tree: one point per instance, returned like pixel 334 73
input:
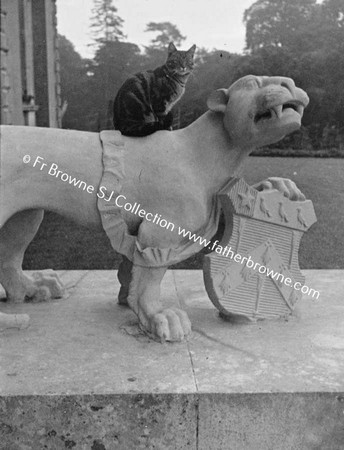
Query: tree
pixel 168 33
pixel 74 86
pixel 334 11
pixel 106 25
pixel 304 40
pixel 213 69
pixel 275 22
pixel 156 52
pixel 333 23
pixel 114 62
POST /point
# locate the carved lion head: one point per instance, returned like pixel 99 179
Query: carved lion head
pixel 259 110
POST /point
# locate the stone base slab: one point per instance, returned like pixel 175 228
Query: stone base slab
pixel 83 376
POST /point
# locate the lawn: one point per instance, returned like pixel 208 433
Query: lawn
pixel 61 244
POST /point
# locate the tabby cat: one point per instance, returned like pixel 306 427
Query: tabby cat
pixel 144 102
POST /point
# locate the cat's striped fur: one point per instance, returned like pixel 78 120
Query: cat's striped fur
pixel 144 102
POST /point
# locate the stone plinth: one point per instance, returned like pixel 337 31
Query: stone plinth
pixel 83 376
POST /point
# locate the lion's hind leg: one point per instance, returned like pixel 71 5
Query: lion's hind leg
pixel 124 277
pixel 15 236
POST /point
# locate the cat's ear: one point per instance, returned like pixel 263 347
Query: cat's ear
pixel 191 50
pixel 171 48
pixel 217 100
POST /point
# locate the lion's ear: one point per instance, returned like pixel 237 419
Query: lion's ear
pixel 217 100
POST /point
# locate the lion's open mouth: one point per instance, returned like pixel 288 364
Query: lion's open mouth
pixel 277 111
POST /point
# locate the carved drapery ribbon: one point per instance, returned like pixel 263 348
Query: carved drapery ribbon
pixel 113 222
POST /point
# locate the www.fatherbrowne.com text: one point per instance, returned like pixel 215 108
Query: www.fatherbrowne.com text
pixel 135 208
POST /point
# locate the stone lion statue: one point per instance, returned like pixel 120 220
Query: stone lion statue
pixel 175 175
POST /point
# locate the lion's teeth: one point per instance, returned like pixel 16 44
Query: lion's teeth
pixel 300 110
pixel 278 110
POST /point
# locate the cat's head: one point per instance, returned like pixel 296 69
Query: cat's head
pixel 180 62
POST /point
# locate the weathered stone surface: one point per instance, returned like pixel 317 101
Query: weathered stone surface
pixel 263 234
pixel 83 376
pixel 96 422
pixel 86 342
pixel 280 421
pixel 174 176
pixel 18 321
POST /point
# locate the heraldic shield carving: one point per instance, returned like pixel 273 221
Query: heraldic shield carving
pixel 265 228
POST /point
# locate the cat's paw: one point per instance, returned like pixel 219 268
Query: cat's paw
pixel 170 324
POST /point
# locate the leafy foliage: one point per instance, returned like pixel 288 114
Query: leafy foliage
pixel 304 40
pixel 300 39
pixel 106 25
pixel 75 85
pixel 276 23
pixel 168 33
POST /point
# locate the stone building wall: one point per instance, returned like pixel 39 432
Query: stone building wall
pixel 5 82
pixel 30 87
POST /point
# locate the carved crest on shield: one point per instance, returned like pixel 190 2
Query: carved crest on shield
pixel 266 230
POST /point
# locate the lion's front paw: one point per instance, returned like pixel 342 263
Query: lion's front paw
pixel 170 324
pixel 47 285
pixel 283 185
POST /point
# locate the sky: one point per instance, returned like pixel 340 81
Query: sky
pixel 206 23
